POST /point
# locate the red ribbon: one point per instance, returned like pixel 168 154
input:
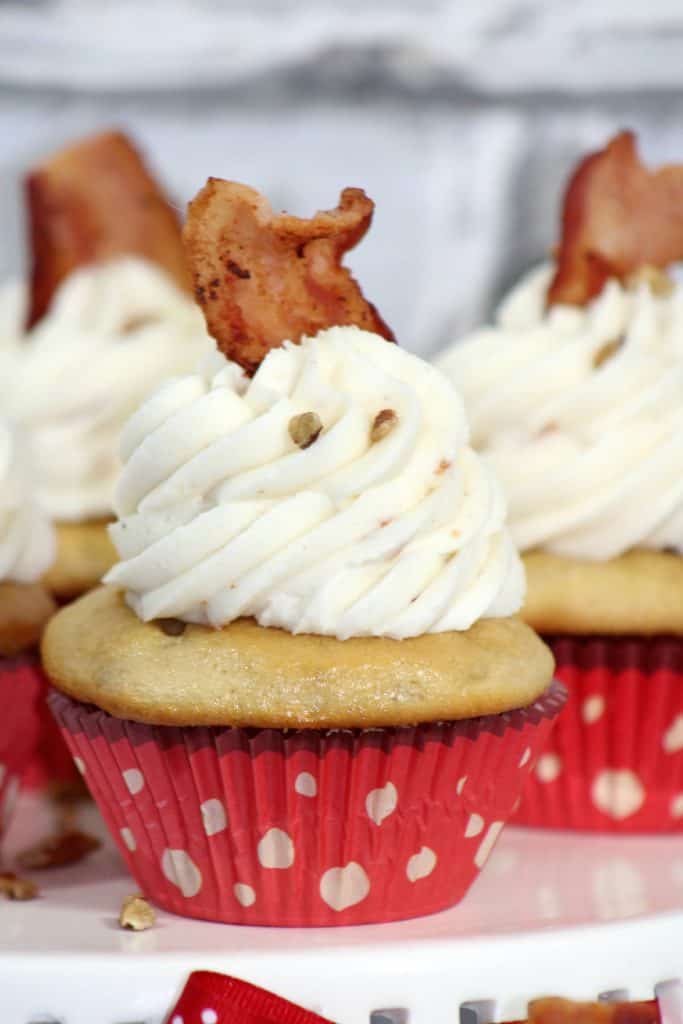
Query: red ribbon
pixel 210 998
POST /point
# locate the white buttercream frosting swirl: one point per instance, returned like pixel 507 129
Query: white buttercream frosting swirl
pixel 580 412
pixel 112 332
pixel 222 515
pixel 27 542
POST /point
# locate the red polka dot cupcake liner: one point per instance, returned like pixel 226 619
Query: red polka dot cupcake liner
pixel 305 827
pixel 52 763
pixel 615 761
pixel 20 682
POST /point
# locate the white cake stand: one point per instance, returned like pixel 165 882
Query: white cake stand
pixel 551 914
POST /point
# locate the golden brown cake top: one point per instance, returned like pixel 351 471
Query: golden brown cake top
pixel 24 610
pixel 168 673
pixel 638 593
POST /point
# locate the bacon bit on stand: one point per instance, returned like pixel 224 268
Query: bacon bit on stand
pixel 14 888
pixel 565 1011
pixel 58 850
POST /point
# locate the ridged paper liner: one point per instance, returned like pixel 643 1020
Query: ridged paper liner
pixel 20 679
pixel 52 763
pixel 615 761
pixel 269 827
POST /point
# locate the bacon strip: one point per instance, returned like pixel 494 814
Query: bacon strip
pixel 263 278
pixel 618 216
pixel 565 1011
pixel 94 201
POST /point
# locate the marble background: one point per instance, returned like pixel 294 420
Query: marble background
pixel 461 118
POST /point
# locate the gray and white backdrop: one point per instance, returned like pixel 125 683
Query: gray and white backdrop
pixel 461 118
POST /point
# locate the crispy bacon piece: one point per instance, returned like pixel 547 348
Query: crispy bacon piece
pixel 263 278
pixel 618 216
pixel 94 201
pixel 565 1011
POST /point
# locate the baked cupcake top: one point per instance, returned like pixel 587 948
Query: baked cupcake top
pixel 112 331
pixel 334 493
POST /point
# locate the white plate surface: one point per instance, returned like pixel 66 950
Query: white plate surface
pixel 551 913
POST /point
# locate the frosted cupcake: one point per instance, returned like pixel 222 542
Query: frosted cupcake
pixel 106 315
pixel 26 551
pixel 303 697
pixel 574 396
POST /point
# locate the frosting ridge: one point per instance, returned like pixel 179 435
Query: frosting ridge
pixel 27 541
pixel 578 411
pixel 361 532
pixel 112 332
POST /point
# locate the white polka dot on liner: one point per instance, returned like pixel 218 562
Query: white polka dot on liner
pixel 244 894
pixel 525 758
pixel 618 793
pixel 276 850
pixel 214 818
pixel 177 1019
pixel 381 802
pixel 421 864
pixel 460 785
pixel 129 839
pixel 209 1016
pixel 593 708
pixel 305 784
pixel 344 887
pixel 475 825
pixel 80 765
pixel 672 740
pixel 487 843
pixel 134 780
pixel 676 807
pixel 180 870
pixel 548 767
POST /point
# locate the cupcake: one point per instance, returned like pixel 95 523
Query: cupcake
pixel 106 315
pixel 574 394
pixel 303 696
pixel 26 550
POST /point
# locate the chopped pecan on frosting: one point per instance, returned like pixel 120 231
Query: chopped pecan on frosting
pixel 305 429
pixel 95 201
pixel 617 217
pixel 264 278
pixel 382 425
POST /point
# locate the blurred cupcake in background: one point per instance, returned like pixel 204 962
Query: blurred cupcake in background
pixel 107 312
pixel 27 548
pixel 574 394
pixel 304 697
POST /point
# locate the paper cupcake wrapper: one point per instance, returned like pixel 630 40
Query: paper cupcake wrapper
pixel 52 764
pixel 302 828
pixel 20 680
pixel 615 761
